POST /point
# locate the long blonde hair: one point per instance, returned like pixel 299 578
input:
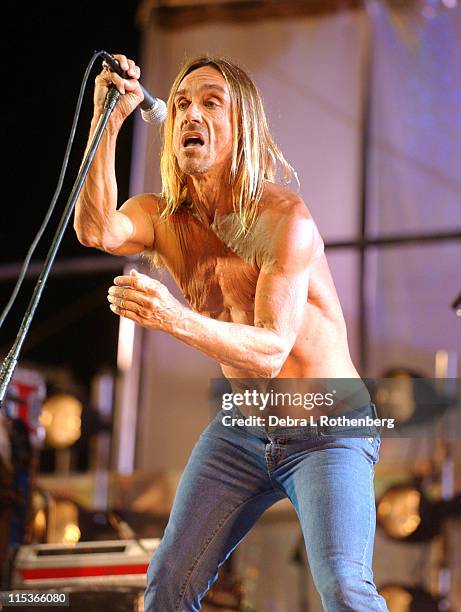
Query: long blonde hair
pixel 255 156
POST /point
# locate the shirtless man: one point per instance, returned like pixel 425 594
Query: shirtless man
pixel 249 260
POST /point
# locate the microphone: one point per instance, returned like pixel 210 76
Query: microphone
pixel 153 110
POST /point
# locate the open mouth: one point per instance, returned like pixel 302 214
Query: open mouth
pixel 192 140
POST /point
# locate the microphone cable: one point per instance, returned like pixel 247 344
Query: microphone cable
pixel 57 192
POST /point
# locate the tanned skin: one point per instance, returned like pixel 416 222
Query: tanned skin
pixel 278 316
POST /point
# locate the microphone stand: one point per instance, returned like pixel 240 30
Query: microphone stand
pixel 11 360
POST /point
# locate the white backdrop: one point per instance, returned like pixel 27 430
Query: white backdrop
pixel 414 187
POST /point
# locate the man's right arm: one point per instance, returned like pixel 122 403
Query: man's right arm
pixel 97 221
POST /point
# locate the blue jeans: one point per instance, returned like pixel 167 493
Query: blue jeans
pixel 234 474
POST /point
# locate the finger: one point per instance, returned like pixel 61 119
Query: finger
pixel 133 70
pixel 117 310
pixel 104 77
pixel 125 281
pixel 119 83
pixel 130 306
pixel 127 314
pixel 122 312
pixel 118 293
pixel 140 282
pixel 131 85
pixel 122 60
pixel 108 77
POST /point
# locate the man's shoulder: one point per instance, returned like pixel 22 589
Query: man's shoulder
pixel 151 203
pixel 290 221
pixel 283 203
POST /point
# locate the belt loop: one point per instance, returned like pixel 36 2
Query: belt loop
pixel 373 410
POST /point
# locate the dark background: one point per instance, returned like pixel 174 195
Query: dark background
pixel 47 48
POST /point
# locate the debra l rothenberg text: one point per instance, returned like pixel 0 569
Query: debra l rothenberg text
pixel 323 421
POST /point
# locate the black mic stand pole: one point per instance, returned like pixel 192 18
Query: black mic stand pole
pixel 11 360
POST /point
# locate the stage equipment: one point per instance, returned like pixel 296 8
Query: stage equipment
pixel 55 520
pixel 410 397
pixel 62 419
pixel 403 598
pixel 105 575
pixel 60 520
pixel 23 402
pixel 113 562
pixel 405 513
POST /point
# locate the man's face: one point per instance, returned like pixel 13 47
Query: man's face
pixel 202 132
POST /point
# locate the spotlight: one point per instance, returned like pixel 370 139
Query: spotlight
pixel 408 397
pixel 61 418
pixel 56 520
pixel 406 514
pixel 403 598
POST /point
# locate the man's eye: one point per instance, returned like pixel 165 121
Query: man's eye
pixel 211 103
pixel 182 105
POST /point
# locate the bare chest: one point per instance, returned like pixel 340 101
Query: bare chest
pixel 221 287
pixel 214 280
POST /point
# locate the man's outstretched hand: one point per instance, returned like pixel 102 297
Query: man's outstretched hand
pixel 145 301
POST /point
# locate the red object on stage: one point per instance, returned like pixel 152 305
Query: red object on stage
pixel 79 572
pixel 125 561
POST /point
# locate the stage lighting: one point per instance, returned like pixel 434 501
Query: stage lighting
pixel 406 514
pixel 39 525
pixel 403 598
pixel 65 529
pixel 55 520
pixel 408 397
pixel 61 418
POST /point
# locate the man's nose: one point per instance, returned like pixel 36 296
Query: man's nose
pixel 193 114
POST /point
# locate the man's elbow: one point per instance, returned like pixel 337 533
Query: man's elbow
pixel 274 367
pixel 93 239
pixel 86 238
pixel 272 364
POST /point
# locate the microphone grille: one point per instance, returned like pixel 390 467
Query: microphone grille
pixel 156 113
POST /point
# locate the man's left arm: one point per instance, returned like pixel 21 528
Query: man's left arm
pixel 280 301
